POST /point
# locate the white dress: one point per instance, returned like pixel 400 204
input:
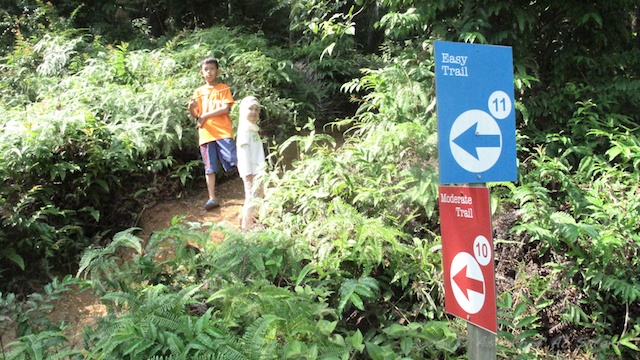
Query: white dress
pixel 250 151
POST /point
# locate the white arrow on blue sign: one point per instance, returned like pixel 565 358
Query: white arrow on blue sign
pixel 476 116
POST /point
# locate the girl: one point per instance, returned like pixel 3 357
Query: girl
pixel 251 159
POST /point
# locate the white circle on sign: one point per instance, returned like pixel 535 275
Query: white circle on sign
pixel 482 250
pixel 467 282
pixel 475 141
pixel 500 104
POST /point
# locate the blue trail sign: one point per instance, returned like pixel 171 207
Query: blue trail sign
pixel 476 115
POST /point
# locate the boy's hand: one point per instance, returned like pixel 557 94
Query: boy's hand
pixel 193 108
pixel 200 122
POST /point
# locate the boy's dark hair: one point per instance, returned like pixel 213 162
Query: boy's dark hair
pixel 210 60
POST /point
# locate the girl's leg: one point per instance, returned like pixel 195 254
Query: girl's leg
pixel 247 208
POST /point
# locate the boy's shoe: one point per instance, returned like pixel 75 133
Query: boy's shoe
pixel 211 204
pixel 232 173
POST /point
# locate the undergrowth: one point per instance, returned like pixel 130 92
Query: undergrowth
pixel 348 263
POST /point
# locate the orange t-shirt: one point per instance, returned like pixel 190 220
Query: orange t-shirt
pixel 210 98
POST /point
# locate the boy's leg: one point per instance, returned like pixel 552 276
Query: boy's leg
pixel 210 159
pixel 227 154
pixel 211 185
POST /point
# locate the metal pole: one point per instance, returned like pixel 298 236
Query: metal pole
pixel 481 344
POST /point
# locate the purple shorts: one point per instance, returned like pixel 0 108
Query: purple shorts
pixel 218 152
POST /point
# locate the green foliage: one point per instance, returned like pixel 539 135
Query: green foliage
pixel 349 266
pixel 71 159
pixel 156 323
pixel 29 19
pixel 383 177
pixel 333 21
pixel 99 128
pixel 36 337
pixel 353 291
pixel 520 324
pixel 43 345
pixel 415 340
pixel 230 309
pixel 249 296
pixel 586 241
pixel 25 316
pixel 105 263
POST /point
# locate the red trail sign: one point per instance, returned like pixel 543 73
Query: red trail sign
pixel 467 255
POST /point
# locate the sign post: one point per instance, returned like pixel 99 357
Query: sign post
pixel 476 144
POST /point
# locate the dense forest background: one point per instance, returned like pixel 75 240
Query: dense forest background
pixel 347 262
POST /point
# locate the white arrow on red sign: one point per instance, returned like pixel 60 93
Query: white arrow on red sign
pixel 467 284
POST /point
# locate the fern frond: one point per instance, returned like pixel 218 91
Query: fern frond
pixel 260 337
pixel 104 266
pixel 352 289
pixel 122 298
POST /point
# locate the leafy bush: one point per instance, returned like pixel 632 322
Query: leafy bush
pixel 248 297
pixel 38 336
pixel 71 166
pixel 216 301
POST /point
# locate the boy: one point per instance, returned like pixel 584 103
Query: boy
pixel 210 105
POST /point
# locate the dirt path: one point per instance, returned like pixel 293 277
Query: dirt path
pixel 78 309
pixel 230 193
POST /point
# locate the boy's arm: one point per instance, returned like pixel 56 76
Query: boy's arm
pixel 193 108
pixel 223 109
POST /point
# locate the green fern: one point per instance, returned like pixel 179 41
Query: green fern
pixel 519 324
pixel 155 322
pixel 353 291
pixel 46 344
pixel 259 339
pixel 104 267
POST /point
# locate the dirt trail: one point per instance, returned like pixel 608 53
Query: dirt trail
pixel 78 309
pixel 230 193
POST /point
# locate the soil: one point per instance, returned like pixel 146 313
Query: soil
pixel 81 308
pixel 190 204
